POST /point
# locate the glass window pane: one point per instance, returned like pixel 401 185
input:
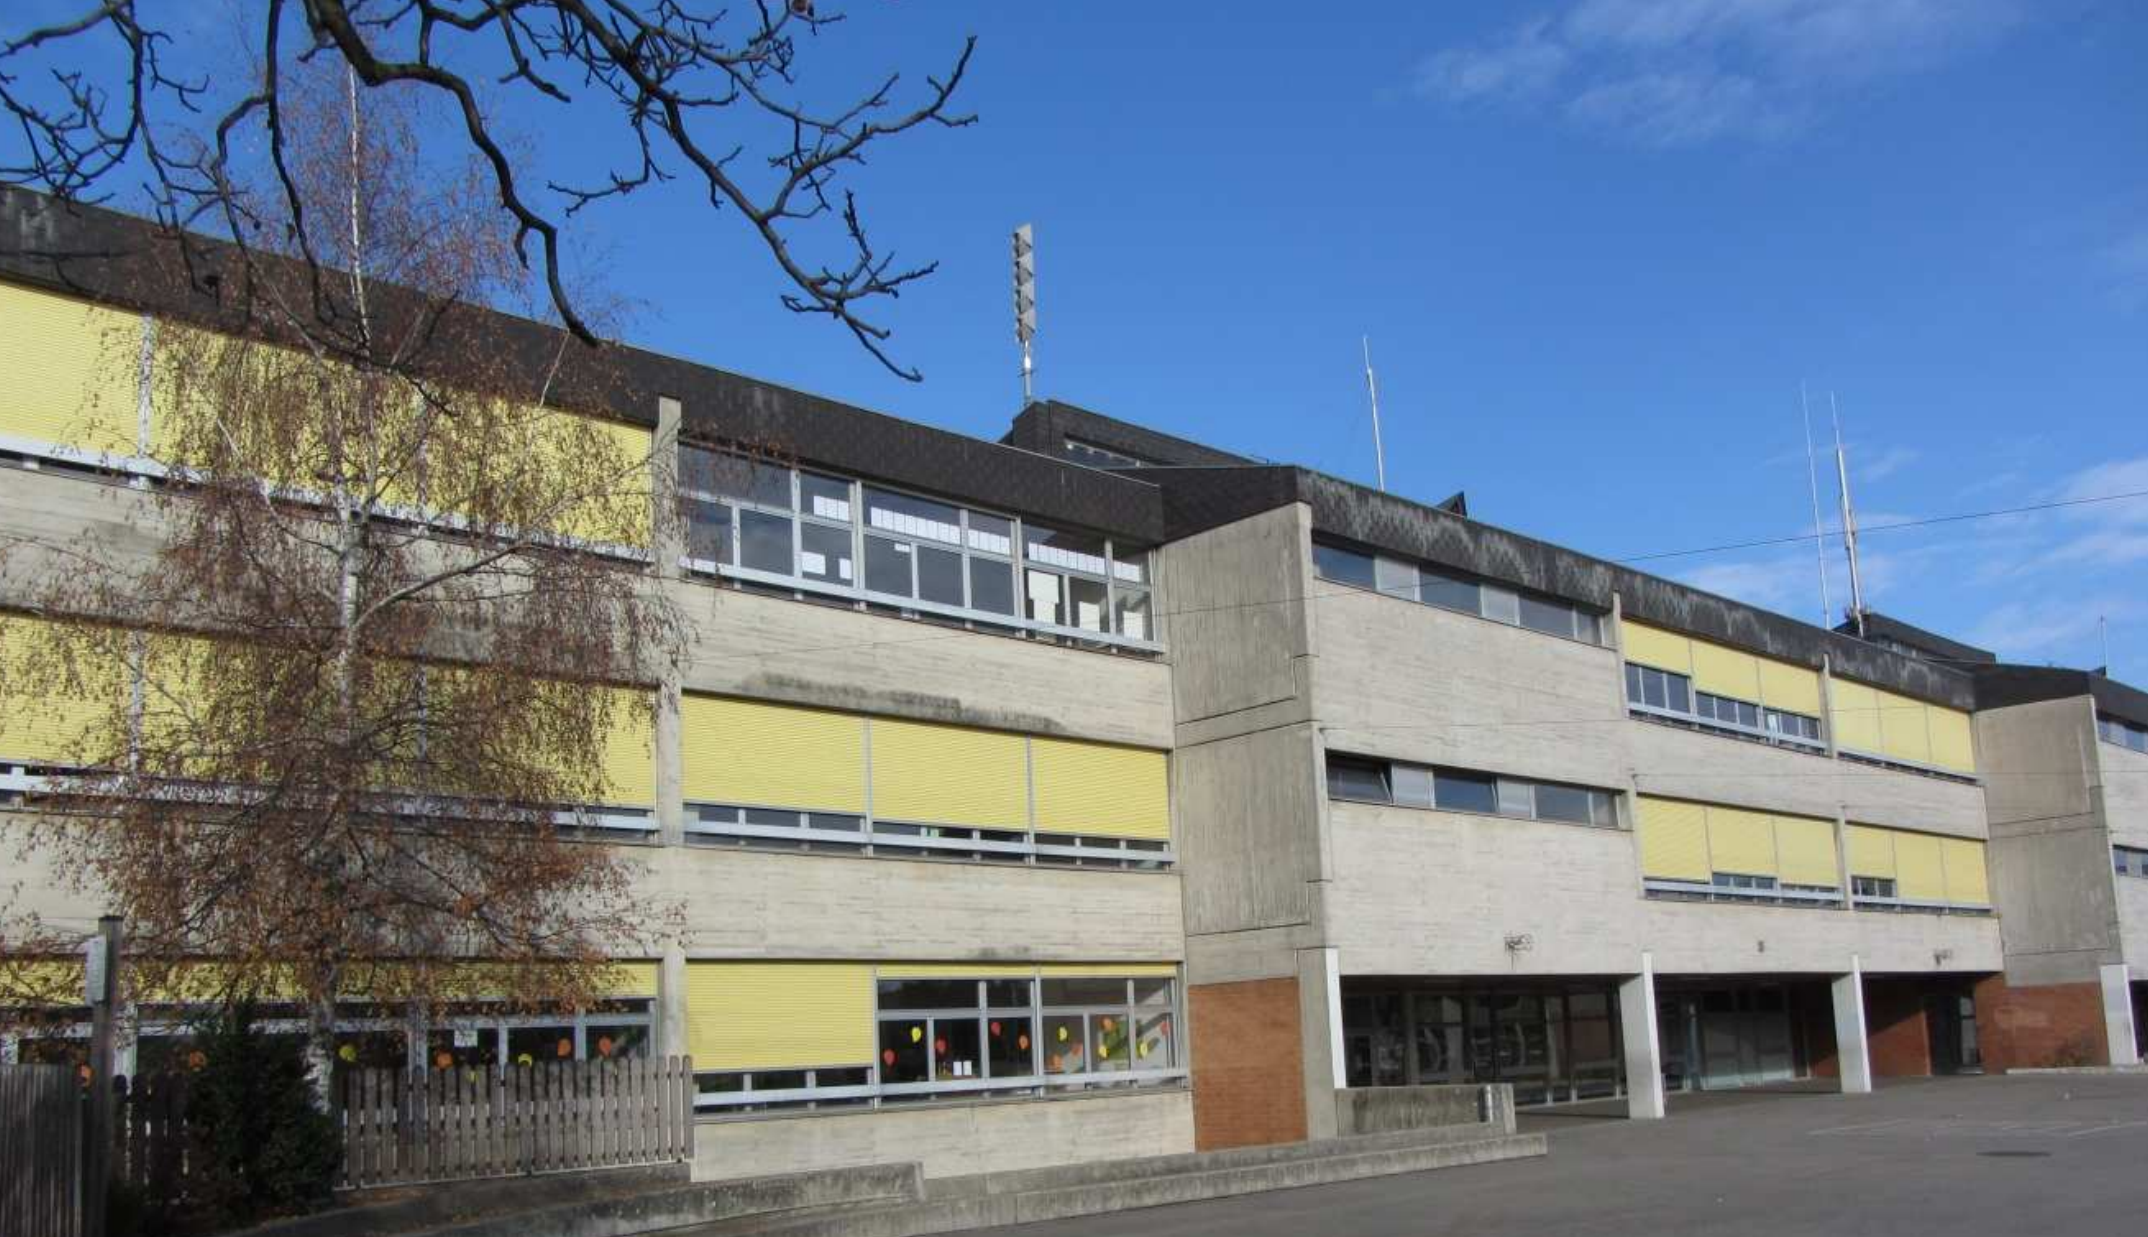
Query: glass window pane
pixel 1633 683
pixel 991 534
pixel 1500 605
pixel 826 497
pixel 1357 779
pixel 1133 613
pixel 764 541
pixel 912 517
pixel 1007 993
pixel 1088 601
pixel 1045 595
pixel 1343 566
pixel 734 476
pixel 708 531
pixel 1008 1046
pixel 955 1052
pixel 1109 1041
pixel 1448 593
pixel 1152 992
pixel 1065 1044
pixel 1603 809
pixel 1676 688
pixel 1567 803
pixel 530 1045
pixel 1465 792
pixel 1395 578
pixel 1412 785
pixel 1656 685
pixel 824 554
pixel 1154 1047
pixel 991 586
pixel 1516 798
pixel 904 1054
pixel 928 994
pixel 1129 565
pixel 939 575
pixel 1072 551
pixel 1554 617
pixel 887 566
pixel 1099 991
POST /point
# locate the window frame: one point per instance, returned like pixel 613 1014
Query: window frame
pixel 1512 798
pixel 1494 602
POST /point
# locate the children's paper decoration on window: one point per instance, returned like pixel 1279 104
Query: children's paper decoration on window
pixel 604 1045
pixel 523 1058
pixel 995 1028
pixel 1110 1024
pixel 564 1049
pixel 917 1035
pixel 1022 1042
pixel 443 1060
pixel 1053 1063
pixel 349 1052
pixel 1103 1052
pixel 939 1046
pixel 887 1057
pixel 1143 1050
pixel 1062 1035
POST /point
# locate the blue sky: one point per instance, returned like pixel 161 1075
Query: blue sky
pixel 1597 245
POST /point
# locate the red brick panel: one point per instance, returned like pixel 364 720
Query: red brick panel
pixel 1248 1064
pixel 2041 1027
pixel 1895 1029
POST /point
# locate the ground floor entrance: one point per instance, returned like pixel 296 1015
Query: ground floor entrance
pixel 1552 1041
pixel 1726 1035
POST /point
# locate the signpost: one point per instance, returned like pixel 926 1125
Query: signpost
pixel 100 983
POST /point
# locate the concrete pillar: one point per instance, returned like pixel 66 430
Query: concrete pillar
pixel 671 1001
pixel 1644 1050
pixel 1853 1049
pixel 1320 1028
pixel 2118 1029
pixel 668 546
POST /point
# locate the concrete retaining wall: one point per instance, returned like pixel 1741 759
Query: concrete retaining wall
pixel 1382 1110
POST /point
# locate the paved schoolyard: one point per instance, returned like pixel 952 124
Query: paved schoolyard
pixel 1956 1157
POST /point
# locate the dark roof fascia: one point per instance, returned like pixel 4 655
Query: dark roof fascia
pixel 1918 638
pixel 1202 498
pixel 112 258
pixel 2001 685
pixel 1046 424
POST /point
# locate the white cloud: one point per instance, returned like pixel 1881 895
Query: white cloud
pixel 1673 73
pixel 2034 630
pixel 1886 462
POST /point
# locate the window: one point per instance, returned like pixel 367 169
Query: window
pixel 793 528
pixel 1740 880
pixel 1658 689
pixel 1873 887
pixel 2122 733
pixel 1661 690
pixel 1447 591
pixel 1460 790
pixel 1345 566
pixel 2130 860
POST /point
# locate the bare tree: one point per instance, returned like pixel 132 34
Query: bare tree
pixel 343 717
pixel 711 96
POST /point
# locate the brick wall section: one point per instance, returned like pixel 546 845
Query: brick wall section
pixel 1900 1040
pixel 1248 1064
pixel 2028 1028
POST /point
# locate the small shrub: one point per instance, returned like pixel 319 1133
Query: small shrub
pixel 264 1147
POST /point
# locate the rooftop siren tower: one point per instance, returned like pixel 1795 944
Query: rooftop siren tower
pixel 1025 305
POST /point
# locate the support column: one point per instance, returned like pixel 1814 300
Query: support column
pixel 2118 1031
pixel 1320 1030
pixel 1643 1048
pixel 668 546
pixel 671 1001
pixel 1853 1049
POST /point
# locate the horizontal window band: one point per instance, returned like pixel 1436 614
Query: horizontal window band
pixel 1701 889
pixel 1815 747
pixel 1131 1079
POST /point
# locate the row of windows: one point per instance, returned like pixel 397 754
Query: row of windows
pixel 784 829
pixel 2124 734
pixel 1673 693
pixel 1459 790
pixel 832 534
pixel 2130 860
pixel 1433 587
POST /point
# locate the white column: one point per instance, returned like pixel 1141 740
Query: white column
pixel 2118 1028
pixel 1643 1050
pixel 1853 1050
pixel 1320 1028
pixel 671 1002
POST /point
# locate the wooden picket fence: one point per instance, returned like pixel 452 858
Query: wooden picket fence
pixel 152 1145
pixel 555 1116
pixel 41 1146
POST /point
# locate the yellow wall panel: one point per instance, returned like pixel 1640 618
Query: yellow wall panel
pixel 1674 840
pixel 59 702
pixel 949 775
pixel 1806 849
pixel 1741 841
pixel 778 1015
pixel 630 753
pixel 770 755
pixel 1101 789
pixel 1951 745
pixel 1966 878
pixel 69 372
pixel 1793 689
pixel 1871 852
pixel 1903 734
pixel 1726 672
pixel 1653 646
pixel 1856 719
pixel 1919 871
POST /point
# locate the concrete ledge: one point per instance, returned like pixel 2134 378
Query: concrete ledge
pixel 396 1209
pixel 1381 1110
pixel 2107 1070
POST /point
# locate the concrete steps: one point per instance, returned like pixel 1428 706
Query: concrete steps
pixel 954 1204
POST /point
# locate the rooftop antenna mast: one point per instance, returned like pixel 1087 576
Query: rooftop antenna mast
pixel 2103 632
pixel 1819 530
pixel 1025 305
pixel 1372 387
pixel 1849 520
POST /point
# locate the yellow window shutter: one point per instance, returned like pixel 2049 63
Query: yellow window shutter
pixel 1741 841
pixel 61 702
pixel 1872 852
pixel 778 1015
pixel 1806 848
pixel 1919 871
pixel 1099 788
pixel 1793 689
pixel 1674 840
pixel 771 755
pixel 1966 877
pixel 70 373
pixel 949 775
pixel 1653 646
pixel 631 979
pixel 1726 672
pixel 630 752
pixel 1857 724
pixel 1951 745
pixel 1903 734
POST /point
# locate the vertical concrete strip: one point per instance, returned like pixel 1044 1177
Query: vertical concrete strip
pixel 1853 1049
pixel 1644 1050
pixel 668 546
pixel 2118 1029
pixel 671 1001
pixel 1320 1026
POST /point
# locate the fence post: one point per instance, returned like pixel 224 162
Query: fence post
pixel 102 976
